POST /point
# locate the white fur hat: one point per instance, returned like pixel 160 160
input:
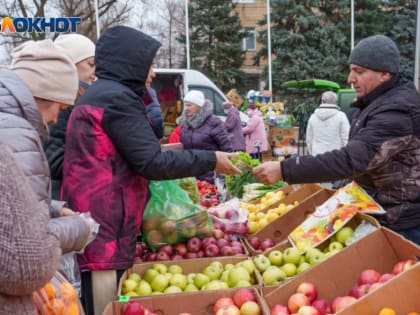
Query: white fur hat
pixel 79 47
pixel 195 97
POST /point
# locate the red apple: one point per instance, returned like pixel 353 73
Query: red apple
pixel 243 295
pixel 232 215
pixel 368 276
pixel 309 289
pixel 385 277
pixel 218 233
pixel 194 245
pixel 358 291
pixel 228 310
pixel 162 256
pixel 296 301
pixel 237 250
pixel 180 249
pixel 190 255
pixel 308 310
pixel 222 243
pixel 200 254
pixel 255 242
pixel 139 250
pixel 323 306
pixel 402 266
pixel 279 309
pixel 226 251
pixel 177 257
pixel 211 250
pixel 151 257
pixel 341 302
pixel 207 241
pixel 133 308
pixel 266 244
pixel 168 249
pixel 374 286
pixel 224 301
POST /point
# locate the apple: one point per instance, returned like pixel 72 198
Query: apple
pixel 402 266
pixel 190 255
pixel 200 280
pixel 237 274
pixel 178 280
pixel 188 229
pixel 190 288
pixel 150 224
pixel 308 310
pixel 226 251
pixel 228 310
pixel 385 277
pixel 222 242
pixel 177 257
pixel 358 291
pixel 344 234
pixel 134 276
pixel 335 246
pixel 204 231
pixel 289 269
pixel 224 301
pixel 309 289
pixel 150 257
pixel 168 226
pixel 232 215
pixel 144 288
pixel 261 262
pixel 341 302
pixel 159 283
pixel 161 268
pixel 172 237
pixel 217 264
pixel 248 265
pixel 229 266
pixel 323 306
pixel 291 255
pixel 243 295
pixel 302 267
pixel 250 308
pixel 273 275
pixel 212 272
pixel 163 256
pixel 133 308
pixel 237 250
pixel 296 301
pixel 266 244
pixel 190 277
pixel 218 234
pixel 155 238
pixel 172 289
pixel 211 250
pixel 180 249
pixel 275 257
pixel 215 285
pixel 129 285
pixel 311 252
pixel 194 245
pixel 139 250
pixel 150 274
pixel 279 309
pixel 368 276
pixel 255 242
pixel 317 258
pixel 374 286
pixel 207 241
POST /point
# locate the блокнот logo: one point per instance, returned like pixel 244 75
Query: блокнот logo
pixel 39 24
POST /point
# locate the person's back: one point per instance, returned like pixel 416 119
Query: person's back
pixel 234 126
pixel 328 127
pixel 255 132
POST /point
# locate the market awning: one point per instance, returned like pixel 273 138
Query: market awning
pixel 311 84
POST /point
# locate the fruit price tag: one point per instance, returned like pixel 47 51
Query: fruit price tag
pixel 332 215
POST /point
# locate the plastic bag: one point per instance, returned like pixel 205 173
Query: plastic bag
pixel 189 184
pixel 57 297
pixel 171 217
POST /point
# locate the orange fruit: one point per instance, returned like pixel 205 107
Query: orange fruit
pixel 67 292
pixel 54 307
pixel 49 291
pixel 72 309
pixel 387 311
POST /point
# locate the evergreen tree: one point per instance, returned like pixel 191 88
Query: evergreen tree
pixel 216 42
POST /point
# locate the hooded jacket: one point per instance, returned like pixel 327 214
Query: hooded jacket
pixel 234 128
pixel 111 150
pixel 328 129
pixel 255 131
pixel 382 155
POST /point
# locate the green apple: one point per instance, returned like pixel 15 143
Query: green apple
pixel 243 284
pixel 168 275
pixel 156 293
pixel 200 280
pixel 344 234
pixel 131 293
pixel 172 289
pixel 276 257
pixel 311 252
pixel 161 268
pixel 237 274
pixel 248 265
pixel 212 272
pixel 129 285
pixel 302 267
pixel 216 285
pixel 190 288
pixel 159 283
pixel 317 258
pixel 144 288
pixel 173 269
pixel 178 280
pixel 190 277
pixel 261 262
pixel 225 276
pixel 291 255
pixel 229 266
pixel 289 269
pixel 218 265
pixel 273 276
pixel 150 274
pixel 134 276
pixel 335 246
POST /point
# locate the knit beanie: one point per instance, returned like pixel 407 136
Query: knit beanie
pixel 378 53
pixel 195 97
pixel 79 47
pixel 47 70
pixel 329 97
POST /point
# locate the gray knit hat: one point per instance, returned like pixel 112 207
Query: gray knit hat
pixel 378 53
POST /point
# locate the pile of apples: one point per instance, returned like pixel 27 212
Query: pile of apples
pixel 262 245
pixel 228 223
pixel 209 195
pixel 160 278
pixel 194 248
pixel 243 302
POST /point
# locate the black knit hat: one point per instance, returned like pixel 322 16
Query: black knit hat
pixel 378 53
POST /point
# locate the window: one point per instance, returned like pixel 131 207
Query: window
pixel 249 42
pixel 243 1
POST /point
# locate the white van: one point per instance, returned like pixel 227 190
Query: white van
pixel 171 85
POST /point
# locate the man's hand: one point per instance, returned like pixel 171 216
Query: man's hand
pixel 224 165
pixel 268 173
pixel 67 212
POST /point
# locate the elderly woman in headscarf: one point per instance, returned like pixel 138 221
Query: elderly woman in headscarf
pixel 201 129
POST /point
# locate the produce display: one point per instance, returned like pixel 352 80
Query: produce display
pixel 235 183
pixel 243 302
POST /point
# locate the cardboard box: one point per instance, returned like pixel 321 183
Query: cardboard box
pixel 280 228
pixel 400 293
pixel 196 303
pixel 379 250
pixel 284 141
pixel 234 97
pixel 188 266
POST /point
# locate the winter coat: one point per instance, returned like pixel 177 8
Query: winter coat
pixel 154 112
pixel 382 155
pixel 328 129
pixel 21 128
pixel 111 150
pixel 29 248
pixel 175 136
pixel 205 131
pixel 54 146
pixel 255 131
pixel 234 128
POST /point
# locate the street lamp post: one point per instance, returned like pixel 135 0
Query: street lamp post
pixel 187 34
pixel 270 83
pixel 98 27
pixel 417 54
